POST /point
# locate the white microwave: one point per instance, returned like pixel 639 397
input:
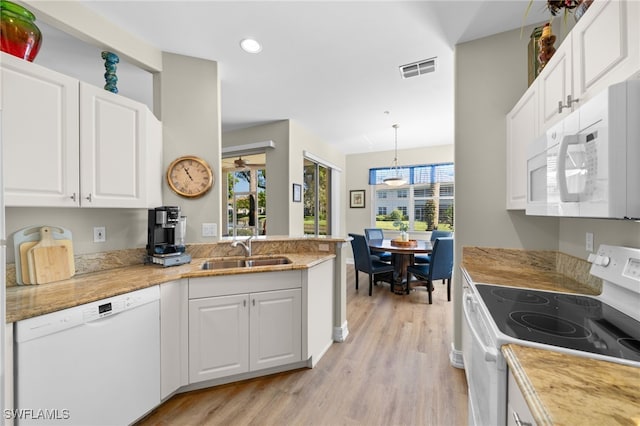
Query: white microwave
pixel 588 164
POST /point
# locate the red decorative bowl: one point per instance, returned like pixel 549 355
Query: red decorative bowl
pixel 19 35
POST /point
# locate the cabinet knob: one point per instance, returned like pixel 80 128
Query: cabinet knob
pixel 73 196
pixel 89 197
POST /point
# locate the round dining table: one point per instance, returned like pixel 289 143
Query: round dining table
pixel 401 257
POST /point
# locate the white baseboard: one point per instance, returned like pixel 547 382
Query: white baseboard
pixel 455 357
pixel 340 333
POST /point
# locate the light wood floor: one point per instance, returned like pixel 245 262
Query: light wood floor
pixel 393 369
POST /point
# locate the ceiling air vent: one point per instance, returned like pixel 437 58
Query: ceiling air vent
pixel 418 68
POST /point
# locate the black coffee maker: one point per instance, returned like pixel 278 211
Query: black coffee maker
pixel 165 236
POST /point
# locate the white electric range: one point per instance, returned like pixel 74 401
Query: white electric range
pixel 604 327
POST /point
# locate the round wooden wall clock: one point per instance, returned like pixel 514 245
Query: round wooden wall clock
pixel 190 176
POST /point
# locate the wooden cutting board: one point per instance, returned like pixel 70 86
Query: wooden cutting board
pixel 26 238
pixel 48 260
pixel 24 263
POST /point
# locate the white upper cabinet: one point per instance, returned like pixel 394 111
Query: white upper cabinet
pixel 39 135
pixel 555 85
pixel 113 149
pixel 606 46
pixel 602 49
pixel 70 144
pixel 522 128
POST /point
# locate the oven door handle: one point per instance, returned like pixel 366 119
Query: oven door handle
pixel 490 354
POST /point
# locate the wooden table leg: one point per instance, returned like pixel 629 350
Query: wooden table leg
pixel 400 264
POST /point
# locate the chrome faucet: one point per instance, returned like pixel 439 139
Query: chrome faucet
pixel 246 245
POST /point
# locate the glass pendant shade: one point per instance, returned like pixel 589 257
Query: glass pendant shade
pixel 396 179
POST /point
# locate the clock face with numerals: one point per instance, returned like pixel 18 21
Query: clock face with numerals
pixel 190 176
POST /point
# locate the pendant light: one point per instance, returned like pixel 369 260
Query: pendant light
pixel 396 179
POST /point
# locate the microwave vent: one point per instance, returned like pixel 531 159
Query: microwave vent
pixel 416 69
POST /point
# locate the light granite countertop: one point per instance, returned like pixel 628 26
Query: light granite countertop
pixel 562 389
pixel 27 301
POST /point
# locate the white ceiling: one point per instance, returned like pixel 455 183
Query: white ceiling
pixel 332 66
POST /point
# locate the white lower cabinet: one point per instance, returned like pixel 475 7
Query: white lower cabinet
pixel 218 337
pixel 518 413
pixel 275 328
pixel 247 331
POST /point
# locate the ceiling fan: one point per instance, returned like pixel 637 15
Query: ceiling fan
pixel 240 163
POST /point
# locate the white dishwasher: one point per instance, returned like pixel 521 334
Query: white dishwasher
pixel 94 364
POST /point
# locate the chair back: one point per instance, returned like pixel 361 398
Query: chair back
pixel 440 234
pixel 361 254
pixel 441 259
pixel 374 233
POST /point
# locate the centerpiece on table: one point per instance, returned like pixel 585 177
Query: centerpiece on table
pixel 403 240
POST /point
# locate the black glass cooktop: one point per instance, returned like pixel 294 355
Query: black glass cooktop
pixel 571 321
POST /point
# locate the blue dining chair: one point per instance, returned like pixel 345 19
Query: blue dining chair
pixel 440 267
pixel 378 271
pixel 377 234
pixel 426 258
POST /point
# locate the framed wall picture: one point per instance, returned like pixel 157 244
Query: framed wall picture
pixel 297 193
pixel 356 199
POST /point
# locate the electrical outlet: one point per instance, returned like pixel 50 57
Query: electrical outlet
pixel 99 234
pixel 323 247
pixel 589 242
pixel 209 229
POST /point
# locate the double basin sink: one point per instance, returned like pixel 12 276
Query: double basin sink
pixel 247 262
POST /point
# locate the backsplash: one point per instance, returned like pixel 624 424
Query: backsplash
pixel 520 264
pixel 102 261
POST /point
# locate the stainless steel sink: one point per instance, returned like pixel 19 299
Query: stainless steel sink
pixel 244 263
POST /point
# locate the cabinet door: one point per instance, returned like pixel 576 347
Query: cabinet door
pixel 39 135
pixel 218 337
pixel 606 44
pixel 555 84
pixel 517 408
pixel 174 321
pixel 113 149
pixel 522 129
pixel 275 331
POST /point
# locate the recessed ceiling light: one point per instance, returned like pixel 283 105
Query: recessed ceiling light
pixel 250 45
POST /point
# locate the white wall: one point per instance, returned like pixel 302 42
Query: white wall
pixel 357 178
pixel 189 108
pixel 277 160
pixel 284 168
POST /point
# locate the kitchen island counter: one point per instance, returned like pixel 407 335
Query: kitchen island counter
pixel 563 389
pixel 27 301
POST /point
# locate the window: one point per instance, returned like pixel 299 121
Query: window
pixel 425 202
pixel 246 202
pixel 317 197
